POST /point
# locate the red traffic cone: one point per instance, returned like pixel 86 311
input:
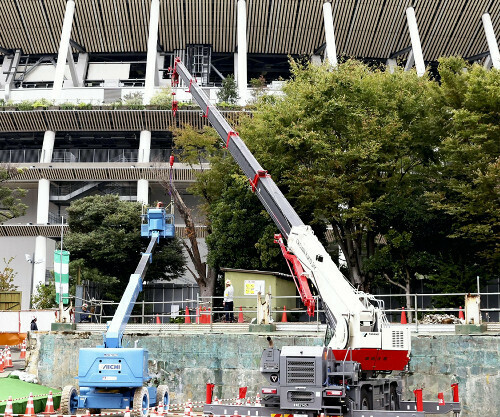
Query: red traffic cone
pixel 461 313
pixel 257 399
pixel 30 407
pixel 8 408
pixel 49 405
pixel 23 350
pixel 403 316
pixel 127 412
pixel 240 316
pixel 1 362
pixel 160 411
pixel 9 360
pixel 440 398
pixel 158 321
pixel 187 318
pixel 283 316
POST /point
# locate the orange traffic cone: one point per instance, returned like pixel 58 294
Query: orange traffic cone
pixel 1 362
pixel 158 321
pixel 127 412
pixel 49 406
pixel 461 313
pixel 210 315
pixel 30 407
pixel 9 360
pixel 403 316
pixel 283 316
pixel 187 318
pixel 8 408
pixel 23 350
pixel 257 399
pixel 240 316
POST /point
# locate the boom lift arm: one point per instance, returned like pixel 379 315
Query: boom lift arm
pixel 356 317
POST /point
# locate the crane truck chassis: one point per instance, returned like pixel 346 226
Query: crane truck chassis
pixel 345 378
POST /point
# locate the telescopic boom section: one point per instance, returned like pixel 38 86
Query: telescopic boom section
pixel 278 207
pixel 266 189
pixel 120 319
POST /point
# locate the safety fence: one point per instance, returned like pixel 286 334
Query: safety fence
pixel 210 310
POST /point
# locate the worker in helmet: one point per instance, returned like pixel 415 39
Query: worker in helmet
pixel 228 302
pixel 85 316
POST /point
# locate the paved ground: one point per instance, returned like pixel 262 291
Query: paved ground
pixel 19 364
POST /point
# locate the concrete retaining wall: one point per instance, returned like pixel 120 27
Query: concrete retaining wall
pixel 186 362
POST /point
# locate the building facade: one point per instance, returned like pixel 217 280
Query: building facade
pixel 68 64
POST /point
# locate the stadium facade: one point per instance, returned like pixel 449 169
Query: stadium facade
pixel 92 53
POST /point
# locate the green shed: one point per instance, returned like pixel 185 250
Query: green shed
pixel 248 283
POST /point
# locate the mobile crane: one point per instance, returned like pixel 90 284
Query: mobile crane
pixel 342 378
pixel 111 375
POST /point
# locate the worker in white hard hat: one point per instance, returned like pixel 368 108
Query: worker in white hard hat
pixel 228 302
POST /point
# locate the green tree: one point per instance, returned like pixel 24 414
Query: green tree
pixel 10 198
pixel 228 93
pixel 105 240
pixel 467 189
pixel 7 276
pixel 44 296
pixel 340 142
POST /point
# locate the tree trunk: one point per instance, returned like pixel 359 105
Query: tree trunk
pixel 204 279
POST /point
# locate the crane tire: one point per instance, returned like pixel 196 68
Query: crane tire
pixel 162 395
pixel 140 404
pixel 68 395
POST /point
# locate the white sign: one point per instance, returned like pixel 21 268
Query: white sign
pixel 252 287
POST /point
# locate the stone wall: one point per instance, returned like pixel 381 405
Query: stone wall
pixel 186 362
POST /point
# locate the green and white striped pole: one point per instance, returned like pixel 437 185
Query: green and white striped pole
pixel 61 272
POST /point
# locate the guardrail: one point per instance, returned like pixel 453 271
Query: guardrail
pixel 209 310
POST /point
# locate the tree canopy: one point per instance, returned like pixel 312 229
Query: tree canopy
pixel 403 169
pixel 104 240
pixel 10 198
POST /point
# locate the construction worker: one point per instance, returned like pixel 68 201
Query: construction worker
pixel 85 316
pixel 33 326
pixel 228 302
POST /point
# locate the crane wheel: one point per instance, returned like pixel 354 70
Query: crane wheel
pixel 394 399
pixel 69 400
pixel 366 400
pixel 140 405
pixel 162 395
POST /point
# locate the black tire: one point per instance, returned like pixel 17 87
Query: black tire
pixel 366 402
pixel 69 401
pixel 394 399
pixel 162 395
pixel 140 405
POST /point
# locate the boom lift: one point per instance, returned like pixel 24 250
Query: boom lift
pixel 342 377
pixel 111 375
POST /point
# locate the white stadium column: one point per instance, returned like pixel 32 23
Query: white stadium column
pixel 42 211
pixel 63 50
pixel 492 41
pixel 415 41
pixel 331 50
pixel 151 63
pixel 242 76
pixel 144 156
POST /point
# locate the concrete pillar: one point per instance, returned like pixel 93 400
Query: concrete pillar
pixel 492 40
pixel 144 146
pixel 330 50
pixel 391 65
pixel 9 67
pixel 143 191
pixel 63 50
pixel 40 261
pixel 415 41
pixel 235 66
pixel 151 63
pixel 316 59
pixel 42 209
pixel 242 52
pixel 144 155
pixel 47 147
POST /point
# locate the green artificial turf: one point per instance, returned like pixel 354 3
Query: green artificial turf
pixel 19 390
